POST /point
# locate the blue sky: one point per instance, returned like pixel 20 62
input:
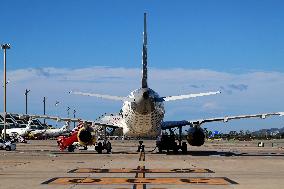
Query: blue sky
pixel 237 38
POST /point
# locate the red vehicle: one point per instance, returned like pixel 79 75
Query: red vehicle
pixel 67 141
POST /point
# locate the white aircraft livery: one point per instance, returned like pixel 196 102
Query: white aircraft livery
pixel 19 131
pixel 49 133
pixel 143 110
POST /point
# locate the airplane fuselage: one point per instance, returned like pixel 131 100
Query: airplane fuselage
pixel 19 131
pixel 144 114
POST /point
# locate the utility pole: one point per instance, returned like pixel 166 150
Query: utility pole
pixel 44 100
pixel 68 108
pixel 5 47
pixel 26 94
pixel 68 113
pixel 74 115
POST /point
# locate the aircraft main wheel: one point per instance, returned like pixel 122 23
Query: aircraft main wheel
pixel 108 147
pixel 100 148
pixel 160 150
pixel 175 148
pixel 184 148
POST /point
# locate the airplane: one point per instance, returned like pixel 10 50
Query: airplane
pixel 143 111
pixel 38 131
pixel 142 114
pixel 19 131
pixel 52 133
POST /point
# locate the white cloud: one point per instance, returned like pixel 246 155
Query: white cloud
pixel 242 93
pixel 210 106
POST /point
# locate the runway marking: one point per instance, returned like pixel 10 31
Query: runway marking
pixel 142 170
pixel 89 152
pixel 140 174
pixel 139 181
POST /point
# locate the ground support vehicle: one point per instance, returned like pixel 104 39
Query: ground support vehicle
pixel 168 142
pixel 7 145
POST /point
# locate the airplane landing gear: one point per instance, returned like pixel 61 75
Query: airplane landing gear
pixel 184 148
pixel 105 145
pixel 108 147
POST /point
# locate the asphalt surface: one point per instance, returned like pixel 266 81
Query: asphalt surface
pixel 217 164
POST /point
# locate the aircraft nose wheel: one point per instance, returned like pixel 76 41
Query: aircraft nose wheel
pixel 99 148
pixel 103 146
pixel 184 148
pixel 108 147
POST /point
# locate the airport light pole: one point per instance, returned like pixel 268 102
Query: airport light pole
pixel 56 105
pixel 68 108
pixel 74 115
pixel 44 100
pixel 6 82
pixel 26 94
pixel 68 113
pixel 5 47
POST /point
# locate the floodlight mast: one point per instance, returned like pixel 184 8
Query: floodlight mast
pixel 5 47
pixel 74 115
pixel 44 101
pixel 26 94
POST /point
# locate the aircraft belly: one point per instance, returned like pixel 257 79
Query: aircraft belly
pixel 143 125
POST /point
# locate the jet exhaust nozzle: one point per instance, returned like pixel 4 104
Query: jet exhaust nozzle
pixel 86 136
pixel 195 136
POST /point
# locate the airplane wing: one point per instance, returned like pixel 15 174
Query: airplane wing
pixel 56 118
pixel 108 97
pixel 180 97
pixel 172 124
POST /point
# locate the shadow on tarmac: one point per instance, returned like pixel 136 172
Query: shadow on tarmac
pixel 220 153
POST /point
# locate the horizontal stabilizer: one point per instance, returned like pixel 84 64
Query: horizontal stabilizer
pixel 180 97
pixel 108 97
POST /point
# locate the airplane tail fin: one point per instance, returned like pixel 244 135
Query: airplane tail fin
pixel 66 126
pixel 144 56
pixel 29 125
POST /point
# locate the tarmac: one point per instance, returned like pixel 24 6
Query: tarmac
pixel 215 165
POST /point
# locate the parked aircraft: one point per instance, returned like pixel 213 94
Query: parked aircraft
pixel 143 111
pixel 51 133
pixel 19 131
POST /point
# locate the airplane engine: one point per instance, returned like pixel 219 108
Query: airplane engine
pixel 86 136
pixel 195 136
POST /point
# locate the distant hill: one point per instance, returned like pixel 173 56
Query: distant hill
pixel 272 131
